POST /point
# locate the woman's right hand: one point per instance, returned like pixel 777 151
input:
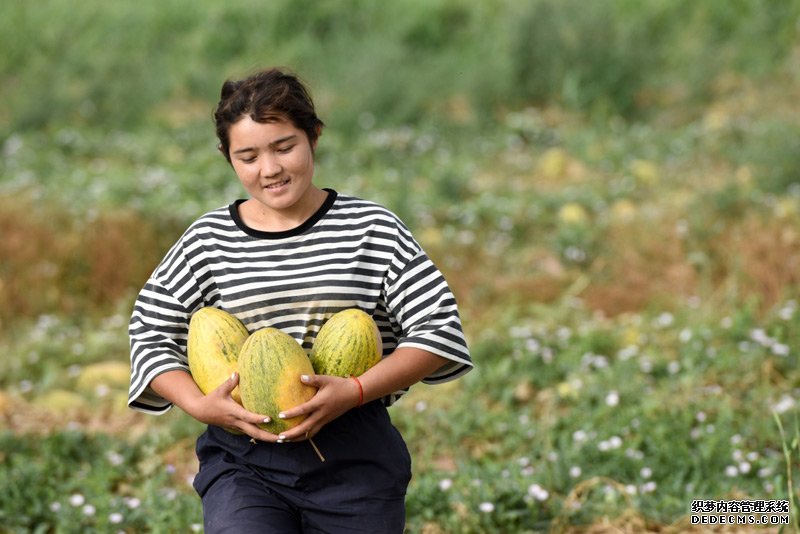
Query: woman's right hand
pixel 216 408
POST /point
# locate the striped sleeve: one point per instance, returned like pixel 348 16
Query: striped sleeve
pixel 425 309
pixel 158 331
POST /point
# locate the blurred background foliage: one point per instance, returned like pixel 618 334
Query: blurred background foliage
pixel 124 66
pixel 106 120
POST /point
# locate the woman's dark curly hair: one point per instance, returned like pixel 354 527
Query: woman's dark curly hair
pixel 266 96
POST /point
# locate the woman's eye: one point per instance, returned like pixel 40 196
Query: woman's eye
pixel 247 160
pixel 285 149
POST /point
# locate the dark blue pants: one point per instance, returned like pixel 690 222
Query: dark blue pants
pixel 285 488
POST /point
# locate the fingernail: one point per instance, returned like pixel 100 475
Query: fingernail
pixel 233 375
pixel 281 415
pixel 267 419
pixel 305 378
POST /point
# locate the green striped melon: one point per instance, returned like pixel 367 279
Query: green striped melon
pixel 348 344
pixel 270 365
pixel 215 339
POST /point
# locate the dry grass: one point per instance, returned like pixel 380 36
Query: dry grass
pixel 763 257
pixel 56 263
pixel 644 264
pixel 641 265
pixel 755 258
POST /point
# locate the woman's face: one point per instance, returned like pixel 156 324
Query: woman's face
pixel 275 163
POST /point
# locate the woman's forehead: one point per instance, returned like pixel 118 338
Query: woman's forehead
pixel 250 132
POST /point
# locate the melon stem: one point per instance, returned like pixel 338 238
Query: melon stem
pixel 311 441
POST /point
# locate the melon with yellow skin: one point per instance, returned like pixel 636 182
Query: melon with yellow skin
pixel 348 344
pixel 270 365
pixel 215 339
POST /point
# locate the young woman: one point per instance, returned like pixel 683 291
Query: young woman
pixel 290 256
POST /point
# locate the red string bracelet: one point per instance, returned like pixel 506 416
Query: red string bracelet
pixel 360 391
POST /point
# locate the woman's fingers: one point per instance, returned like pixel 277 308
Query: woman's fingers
pixel 231 383
pixel 333 398
pixel 316 381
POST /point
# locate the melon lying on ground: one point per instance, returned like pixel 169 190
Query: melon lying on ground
pixel 348 344
pixel 95 377
pixel 270 365
pixel 215 340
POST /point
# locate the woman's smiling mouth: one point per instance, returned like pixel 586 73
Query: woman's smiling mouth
pixel 278 185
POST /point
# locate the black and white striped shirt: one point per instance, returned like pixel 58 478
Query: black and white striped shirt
pixel 351 253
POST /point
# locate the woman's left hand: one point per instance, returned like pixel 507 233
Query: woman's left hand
pixel 335 396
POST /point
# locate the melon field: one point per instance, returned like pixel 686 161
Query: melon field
pixel 612 189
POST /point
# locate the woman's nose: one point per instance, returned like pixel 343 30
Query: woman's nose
pixel 270 166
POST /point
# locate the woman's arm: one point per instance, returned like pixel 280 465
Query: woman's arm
pixel 405 367
pixel 217 408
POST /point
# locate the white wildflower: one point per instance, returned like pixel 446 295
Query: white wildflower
pixel 780 349
pixel 759 335
pixel 628 352
pixel 700 417
pixel 579 436
pixel 538 492
pixel 787 312
pixel 649 487
pixel 785 404
pixel 664 320
pixel 744 467
pixel 114 458
pixel 685 335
